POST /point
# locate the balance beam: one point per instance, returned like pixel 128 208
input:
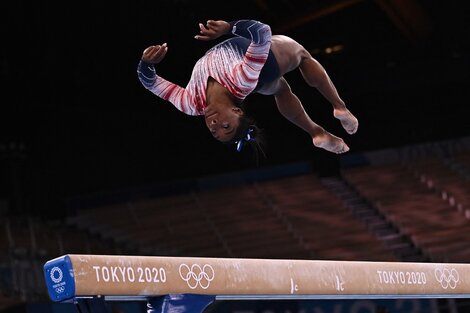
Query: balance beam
pixel 121 277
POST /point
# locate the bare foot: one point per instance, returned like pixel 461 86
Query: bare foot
pixel 348 120
pixel 330 142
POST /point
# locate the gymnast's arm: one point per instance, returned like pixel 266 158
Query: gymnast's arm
pixel 248 71
pixel 257 32
pixel 245 74
pixel 177 95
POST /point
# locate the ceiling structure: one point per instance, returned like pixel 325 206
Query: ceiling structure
pixel 407 16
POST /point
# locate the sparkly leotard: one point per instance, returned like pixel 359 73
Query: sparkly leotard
pixel 237 63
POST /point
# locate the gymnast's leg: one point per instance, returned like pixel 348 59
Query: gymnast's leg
pixel 291 55
pixel 291 108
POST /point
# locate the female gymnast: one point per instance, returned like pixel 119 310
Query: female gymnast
pixel 251 61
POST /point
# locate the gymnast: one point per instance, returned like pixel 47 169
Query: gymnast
pixel 251 61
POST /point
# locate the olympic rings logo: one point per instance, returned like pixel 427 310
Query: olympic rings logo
pixel 447 278
pixel 60 289
pixel 60 275
pixel 196 275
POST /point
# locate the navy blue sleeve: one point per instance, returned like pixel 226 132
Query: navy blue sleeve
pixel 146 74
pixel 253 30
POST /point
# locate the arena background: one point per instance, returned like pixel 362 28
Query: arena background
pixel 78 132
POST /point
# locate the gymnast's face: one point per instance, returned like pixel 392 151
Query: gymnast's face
pixel 224 124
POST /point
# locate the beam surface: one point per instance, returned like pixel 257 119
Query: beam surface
pixel 124 277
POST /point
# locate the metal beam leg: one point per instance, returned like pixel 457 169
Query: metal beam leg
pixel 179 303
pixel 91 305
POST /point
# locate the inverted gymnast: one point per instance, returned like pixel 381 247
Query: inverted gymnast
pixel 251 61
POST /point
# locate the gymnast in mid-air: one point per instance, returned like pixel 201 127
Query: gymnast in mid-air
pixel 251 61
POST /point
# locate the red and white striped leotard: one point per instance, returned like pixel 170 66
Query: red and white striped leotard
pixel 226 63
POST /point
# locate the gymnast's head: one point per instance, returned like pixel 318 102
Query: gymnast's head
pixel 233 126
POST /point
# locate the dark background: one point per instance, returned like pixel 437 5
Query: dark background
pixel 75 119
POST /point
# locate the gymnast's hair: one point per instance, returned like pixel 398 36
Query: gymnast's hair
pixel 249 135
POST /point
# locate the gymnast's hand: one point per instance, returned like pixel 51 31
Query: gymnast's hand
pixel 212 30
pixel 154 54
